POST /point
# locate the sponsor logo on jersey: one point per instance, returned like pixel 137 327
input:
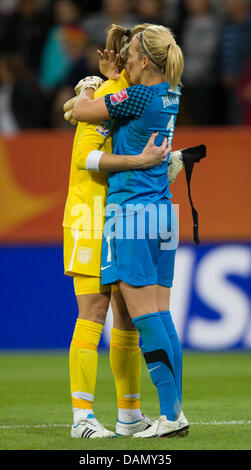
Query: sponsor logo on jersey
pixel 117 98
pixel 104 128
pixel 84 255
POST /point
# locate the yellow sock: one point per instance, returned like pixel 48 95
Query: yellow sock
pixel 83 358
pixel 125 360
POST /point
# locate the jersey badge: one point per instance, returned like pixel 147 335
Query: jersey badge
pixel 84 255
pixel 117 98
pixel 104 127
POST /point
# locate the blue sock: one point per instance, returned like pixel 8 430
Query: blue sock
pixel 158 355
pixel 177 350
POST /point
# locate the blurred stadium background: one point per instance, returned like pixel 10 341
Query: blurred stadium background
pixel 45 48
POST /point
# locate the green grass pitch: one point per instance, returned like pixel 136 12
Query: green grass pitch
pixel 35 406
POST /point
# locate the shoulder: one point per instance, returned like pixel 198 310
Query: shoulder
pixel 140 90
pixel 136 94
pixel 111 86
pixel 129 102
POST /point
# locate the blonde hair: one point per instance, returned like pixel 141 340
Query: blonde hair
pixel 158 44
pixel 118 39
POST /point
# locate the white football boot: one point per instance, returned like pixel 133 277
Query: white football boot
pixel 183 419
pixel 162 427
pixel 90 428
pixel 127 429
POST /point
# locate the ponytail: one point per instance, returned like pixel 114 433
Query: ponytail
pixel 174 65
pixel 117 36
pixel 158 44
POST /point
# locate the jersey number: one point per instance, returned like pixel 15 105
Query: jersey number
pixel 109 251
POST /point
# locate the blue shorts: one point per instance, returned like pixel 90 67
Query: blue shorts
pixel 139 248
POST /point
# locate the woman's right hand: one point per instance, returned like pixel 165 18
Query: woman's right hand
pixel 152 154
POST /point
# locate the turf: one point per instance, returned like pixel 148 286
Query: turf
pixel 35 407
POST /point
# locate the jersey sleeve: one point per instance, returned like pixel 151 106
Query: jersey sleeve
pixel 93 136
pixel 129 103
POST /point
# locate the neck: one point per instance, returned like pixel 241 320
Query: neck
pixel 149 79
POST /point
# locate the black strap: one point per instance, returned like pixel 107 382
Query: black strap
pixel 190 156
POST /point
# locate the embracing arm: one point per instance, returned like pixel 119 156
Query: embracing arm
pixel 151 155
pixel 86 158
pixel 87 109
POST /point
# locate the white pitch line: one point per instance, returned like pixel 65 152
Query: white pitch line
pixel 32 426
pixel 218 423
pixel 45 426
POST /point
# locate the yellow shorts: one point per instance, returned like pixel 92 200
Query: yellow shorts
pixel 81 255
pixel 82 260
pixel 91 285
pixel 88 285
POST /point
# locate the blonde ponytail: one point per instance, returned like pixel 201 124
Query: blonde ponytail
pixel 174 65
pixel 158 44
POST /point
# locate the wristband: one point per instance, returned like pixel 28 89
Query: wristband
pixel 92 161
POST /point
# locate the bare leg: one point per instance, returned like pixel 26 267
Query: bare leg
pixel 163 295
pixel 93 307
pixel 140 300
pixel 121 317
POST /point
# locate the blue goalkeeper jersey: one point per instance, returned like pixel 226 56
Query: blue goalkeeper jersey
pixel 140 111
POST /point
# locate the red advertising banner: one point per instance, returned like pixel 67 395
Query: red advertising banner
pixel 34 175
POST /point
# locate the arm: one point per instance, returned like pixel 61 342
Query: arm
pixel 151 155
pixel 89 159
pixel 128 103
pixel 87 109
pixel 96 160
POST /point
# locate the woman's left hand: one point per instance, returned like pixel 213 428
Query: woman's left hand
pixel 108 64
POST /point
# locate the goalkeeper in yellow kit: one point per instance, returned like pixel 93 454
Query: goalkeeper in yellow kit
pixel 83 231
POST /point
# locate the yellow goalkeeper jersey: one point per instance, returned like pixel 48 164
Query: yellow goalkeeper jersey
pixel 86 186
pixel 84 209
